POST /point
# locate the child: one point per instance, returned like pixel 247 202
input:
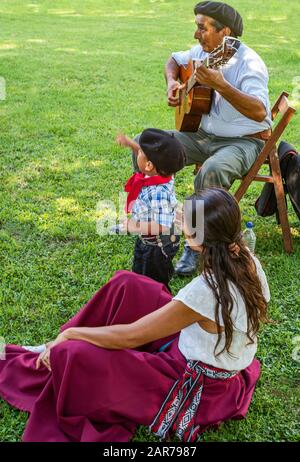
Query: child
pixel 151 201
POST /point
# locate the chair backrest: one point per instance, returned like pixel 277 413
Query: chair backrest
pixel 280 105
pixel 283 108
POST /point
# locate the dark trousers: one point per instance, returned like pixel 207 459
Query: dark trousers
pixel 155 261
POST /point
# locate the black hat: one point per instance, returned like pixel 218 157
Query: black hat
pixel 223 13
pixel 162 148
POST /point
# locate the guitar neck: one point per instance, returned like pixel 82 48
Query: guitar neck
pixel 192 80
pixel 218 57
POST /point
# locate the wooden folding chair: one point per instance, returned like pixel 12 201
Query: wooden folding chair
pixel 268 155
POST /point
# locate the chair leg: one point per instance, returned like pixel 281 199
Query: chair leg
pixel 281 203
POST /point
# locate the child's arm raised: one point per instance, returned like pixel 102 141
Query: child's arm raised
pixel 123 140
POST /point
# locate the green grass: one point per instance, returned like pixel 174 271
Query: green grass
pixel 77 72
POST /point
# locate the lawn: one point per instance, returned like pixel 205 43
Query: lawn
pixel 77 72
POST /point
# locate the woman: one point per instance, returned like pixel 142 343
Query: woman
pixel 135 356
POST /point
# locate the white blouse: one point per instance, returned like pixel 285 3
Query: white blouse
pixel 197 344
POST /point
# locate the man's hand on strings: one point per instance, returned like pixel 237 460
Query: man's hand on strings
pixel 173 95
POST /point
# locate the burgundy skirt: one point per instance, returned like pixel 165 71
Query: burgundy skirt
pixel 95 394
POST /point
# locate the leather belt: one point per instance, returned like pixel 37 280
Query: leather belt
pixel 264 135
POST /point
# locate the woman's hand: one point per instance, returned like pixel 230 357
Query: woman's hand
pixel 44 357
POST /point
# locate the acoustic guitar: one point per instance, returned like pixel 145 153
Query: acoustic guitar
pixel 196 99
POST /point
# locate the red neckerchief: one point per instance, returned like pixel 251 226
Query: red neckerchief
pixel 136 182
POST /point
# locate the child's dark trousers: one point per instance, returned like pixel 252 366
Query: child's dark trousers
pixel 153 257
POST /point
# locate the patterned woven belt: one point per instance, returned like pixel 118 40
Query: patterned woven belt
pixel 178 411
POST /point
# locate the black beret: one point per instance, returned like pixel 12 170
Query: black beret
pixel 223 13
pixel 162 148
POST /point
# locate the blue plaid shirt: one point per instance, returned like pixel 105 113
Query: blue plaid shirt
pixel 156 203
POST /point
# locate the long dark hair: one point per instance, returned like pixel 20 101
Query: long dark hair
pixel 225 259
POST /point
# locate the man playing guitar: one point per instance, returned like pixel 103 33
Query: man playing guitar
pixel 233 133
pixel 230 137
